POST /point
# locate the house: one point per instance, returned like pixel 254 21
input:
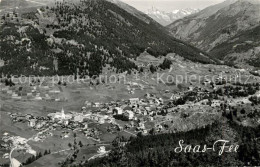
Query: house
pixel 29 94
pixel 141 125
pixel 78 118
pixel 55 91
pixel 145 112
pixel 32 122
pixel 96 104
pixel 9 91
pixel 38 98
pixel 175 97
pixel 215 103
pixel 166 91
pixel 159 127
pixel 258 94
pixel 6 156
pixel 101 120
pixel 101 150
pixel 66 122
pixel 117 111
pixel 134 100
pixel 130 114
pixel 147 108
pixel 88 104
pixel 39 125
pixel 28 116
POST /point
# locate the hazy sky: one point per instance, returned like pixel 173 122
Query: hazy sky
pixel 169 5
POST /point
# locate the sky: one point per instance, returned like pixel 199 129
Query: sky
pixel 170 5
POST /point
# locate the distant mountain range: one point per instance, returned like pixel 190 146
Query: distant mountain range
pixel 224 23
pixel 85 37
pixel 166 18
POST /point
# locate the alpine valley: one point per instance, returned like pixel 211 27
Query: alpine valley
pixel 228 31
pixel 99 83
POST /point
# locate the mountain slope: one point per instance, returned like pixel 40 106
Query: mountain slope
pixel 207 32
pixel 85 37
pixel 185 148
pixel 215 31
pixel 131 10
pixel 242 49
pixel 166 18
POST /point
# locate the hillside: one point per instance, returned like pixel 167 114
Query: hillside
pixel 207 32
pixel 214 26
pixel 160 150
pixel 241 49
pixel 84 37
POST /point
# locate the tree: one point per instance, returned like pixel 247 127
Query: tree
pixel 141 69
pixel 166 64
pixel 152 131
pixel 45 152
pixel 153 69
pixel 80 144
pixel 243 111
pixel 139 134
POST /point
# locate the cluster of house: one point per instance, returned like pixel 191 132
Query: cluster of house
pixel 10 17
pixel 33 93
pixel 16 142
pixel 130 108
pixel 133 86
pixel 68 121
pixel 133 110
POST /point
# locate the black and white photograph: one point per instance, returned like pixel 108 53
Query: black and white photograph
pixel 129 83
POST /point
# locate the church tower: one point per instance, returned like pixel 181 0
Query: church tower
pixel 62 113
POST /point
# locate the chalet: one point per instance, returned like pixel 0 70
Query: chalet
pixel 175 97
pixel 166 91
pixel 88 104
pixel 101 120
pixel 117 111
pixel 134 100
pixel 54 91
pixel 96 104
pixel 145 131
pixel 38 98
pixel 78 118
pixel 39 125
pixel 32 123
pixel 129 114
pixel 258 94
pixel 6 156
pixel 141 126
pixel 101 150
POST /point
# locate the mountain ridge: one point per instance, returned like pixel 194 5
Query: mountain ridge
pixel 208 31
pixel 86 37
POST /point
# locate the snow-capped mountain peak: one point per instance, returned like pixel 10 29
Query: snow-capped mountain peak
pixel 166 18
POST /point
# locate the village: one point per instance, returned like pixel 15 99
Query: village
pixel 143 108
